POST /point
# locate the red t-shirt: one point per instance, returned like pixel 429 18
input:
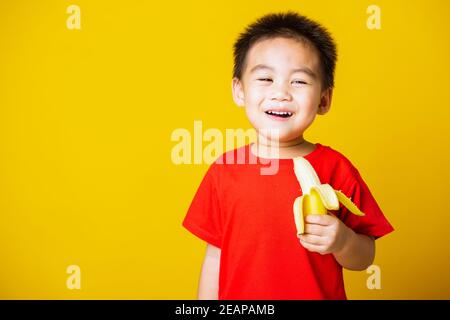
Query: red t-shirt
pixel 249 216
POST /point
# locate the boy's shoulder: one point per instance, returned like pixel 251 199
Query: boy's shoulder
pixel 332 154
pixel 233 155
pixel 327 153
pixel 323 155
pixel 338 163
pixel 332 165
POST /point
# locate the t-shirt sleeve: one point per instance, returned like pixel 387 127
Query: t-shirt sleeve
pixel 203 218
pixel 374 223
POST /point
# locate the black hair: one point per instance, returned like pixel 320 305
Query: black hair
pixel 289 25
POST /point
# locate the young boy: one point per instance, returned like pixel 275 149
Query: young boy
pixel 283 75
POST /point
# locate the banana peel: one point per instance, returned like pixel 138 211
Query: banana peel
pixel 316 198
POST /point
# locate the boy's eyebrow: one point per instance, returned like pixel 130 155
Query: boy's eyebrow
pixel 306 70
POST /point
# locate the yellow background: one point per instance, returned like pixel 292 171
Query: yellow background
pixel 86 117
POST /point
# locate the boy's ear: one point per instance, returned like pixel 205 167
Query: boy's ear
pixel 238 92
pixel 325 101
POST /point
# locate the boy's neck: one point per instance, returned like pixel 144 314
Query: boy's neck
pixel 266 148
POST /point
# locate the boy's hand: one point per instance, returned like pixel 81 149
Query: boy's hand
pixel 325 234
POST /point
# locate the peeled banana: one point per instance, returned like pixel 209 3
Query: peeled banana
pixel 317 198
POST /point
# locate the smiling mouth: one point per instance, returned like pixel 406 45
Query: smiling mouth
pixel 281 114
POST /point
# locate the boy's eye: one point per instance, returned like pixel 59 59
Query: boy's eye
pixel 264 79
pixel 299 82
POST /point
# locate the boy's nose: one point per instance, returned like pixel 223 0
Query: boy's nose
pixel 280 93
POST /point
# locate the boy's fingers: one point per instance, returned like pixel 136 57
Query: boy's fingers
pixel 315 229
pixel 320 219
pixel 312 239
pixel 311 247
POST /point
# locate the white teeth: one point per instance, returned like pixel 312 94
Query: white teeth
pixel 280 113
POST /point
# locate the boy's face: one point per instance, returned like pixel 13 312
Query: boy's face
pixel 282 75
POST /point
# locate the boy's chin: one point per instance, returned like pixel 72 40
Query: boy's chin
pixel 277 134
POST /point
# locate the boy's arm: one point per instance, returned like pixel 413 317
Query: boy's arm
pixel 358 252
pixel 208 288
